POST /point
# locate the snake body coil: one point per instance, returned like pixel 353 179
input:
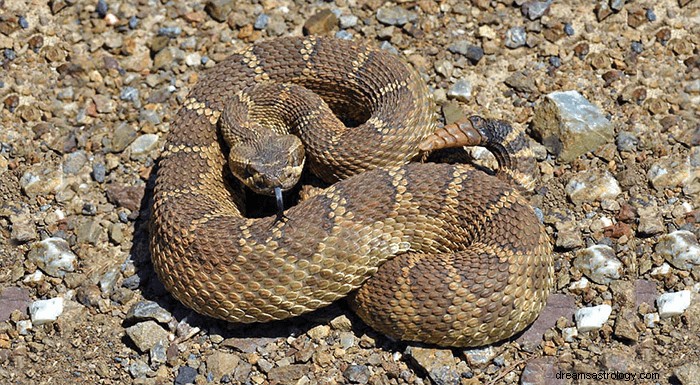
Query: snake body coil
pixel 443 254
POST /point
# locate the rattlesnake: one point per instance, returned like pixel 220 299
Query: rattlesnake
pixel 441 253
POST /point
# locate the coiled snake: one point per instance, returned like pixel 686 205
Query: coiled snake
pixel 440 253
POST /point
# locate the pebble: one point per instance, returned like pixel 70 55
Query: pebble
pixel 194 59
pixel 461 90
pixel 146 334
pixel 669 172
pixel 261 21
pixel 121 138
pixel 651 319
pixel 680 248
pixel 99 172
pixel 139 369
pixel 288 373
pixel 158 353
pixel 143 145
pixel 320 23
pixel 23 228
pixel 53 256
pixel 219 9
pixel 516 37
pixel 74 162
pixel 479 357
pixel 626 141
pixel 570 125
pixel 185 375
pixel 148 310
pixel 599 263
pixel 395 15
pixel 592 185
pixel 348 21
pixel 46 311
pixel 319 332
pixel 221 363
pixel 592 318
pixel 438 363
pixel 171 32
pixel 536 9
pixel 569 334
pixel 688 373
pixel 541 371
pixel 11 299
pixel 357 374
pixel 670 304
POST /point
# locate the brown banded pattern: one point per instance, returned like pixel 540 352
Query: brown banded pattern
pixel 440 253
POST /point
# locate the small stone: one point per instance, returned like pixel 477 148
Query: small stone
pixel 53 256
pixel 592 318
pixel 23 229
pixel 123 136
pixel 319 332
pixel 626 141
pixel 341 323
pixel 320 23
pixel 89 231
pixel 99 172
pixel 669 172
pixel 247 345
pixel 143 144
pixel 624 325
pixel 479 357
pixel 542 371
pixel 651 319
pixel 569 125
pixel 139 369
pixel 688 373
pixel 167 57
pixel 261 21
pixel 11 299
pixel 185 375
pixel 670 304
pixel 536 9
pixel 347 340
pixel 46 311
pixel 194 59
pixel 146 334
pixel 461 90
pixel 680 248
pixel 650 221
pixel 569 334
pixel 599 263
pixel 74 162
pixel 219 9
pixel 395 15
pixel 220 364
pixel 357 374
pixel 438 363
pixel 104 104
pixel 148 310
pixel 592 185
pixel 348 21
pixel 170 32
pixel 516 37
pixel 288 373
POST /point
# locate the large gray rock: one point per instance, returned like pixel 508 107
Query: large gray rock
pixel 570 125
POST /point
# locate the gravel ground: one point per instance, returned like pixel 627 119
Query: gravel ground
pixel 88 90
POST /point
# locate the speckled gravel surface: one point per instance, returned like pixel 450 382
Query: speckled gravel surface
pixel 88 90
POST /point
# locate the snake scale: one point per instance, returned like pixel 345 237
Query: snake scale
pixel 440 253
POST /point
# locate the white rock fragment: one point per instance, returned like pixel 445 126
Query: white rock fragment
pixel 592 318
pixel 669 172
pixel 569 334
pixel 680 248
pixel 592 185
pixel 46 311
pixel 671 304
pixel 579 286
pixel 599 263
pixel 34 277
pixel 570 125
pixel 651 319
pixel 143 144
pixel 53 256
pixel 24 326
pixel 661 272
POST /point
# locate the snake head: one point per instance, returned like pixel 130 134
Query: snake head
pixel 268 163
